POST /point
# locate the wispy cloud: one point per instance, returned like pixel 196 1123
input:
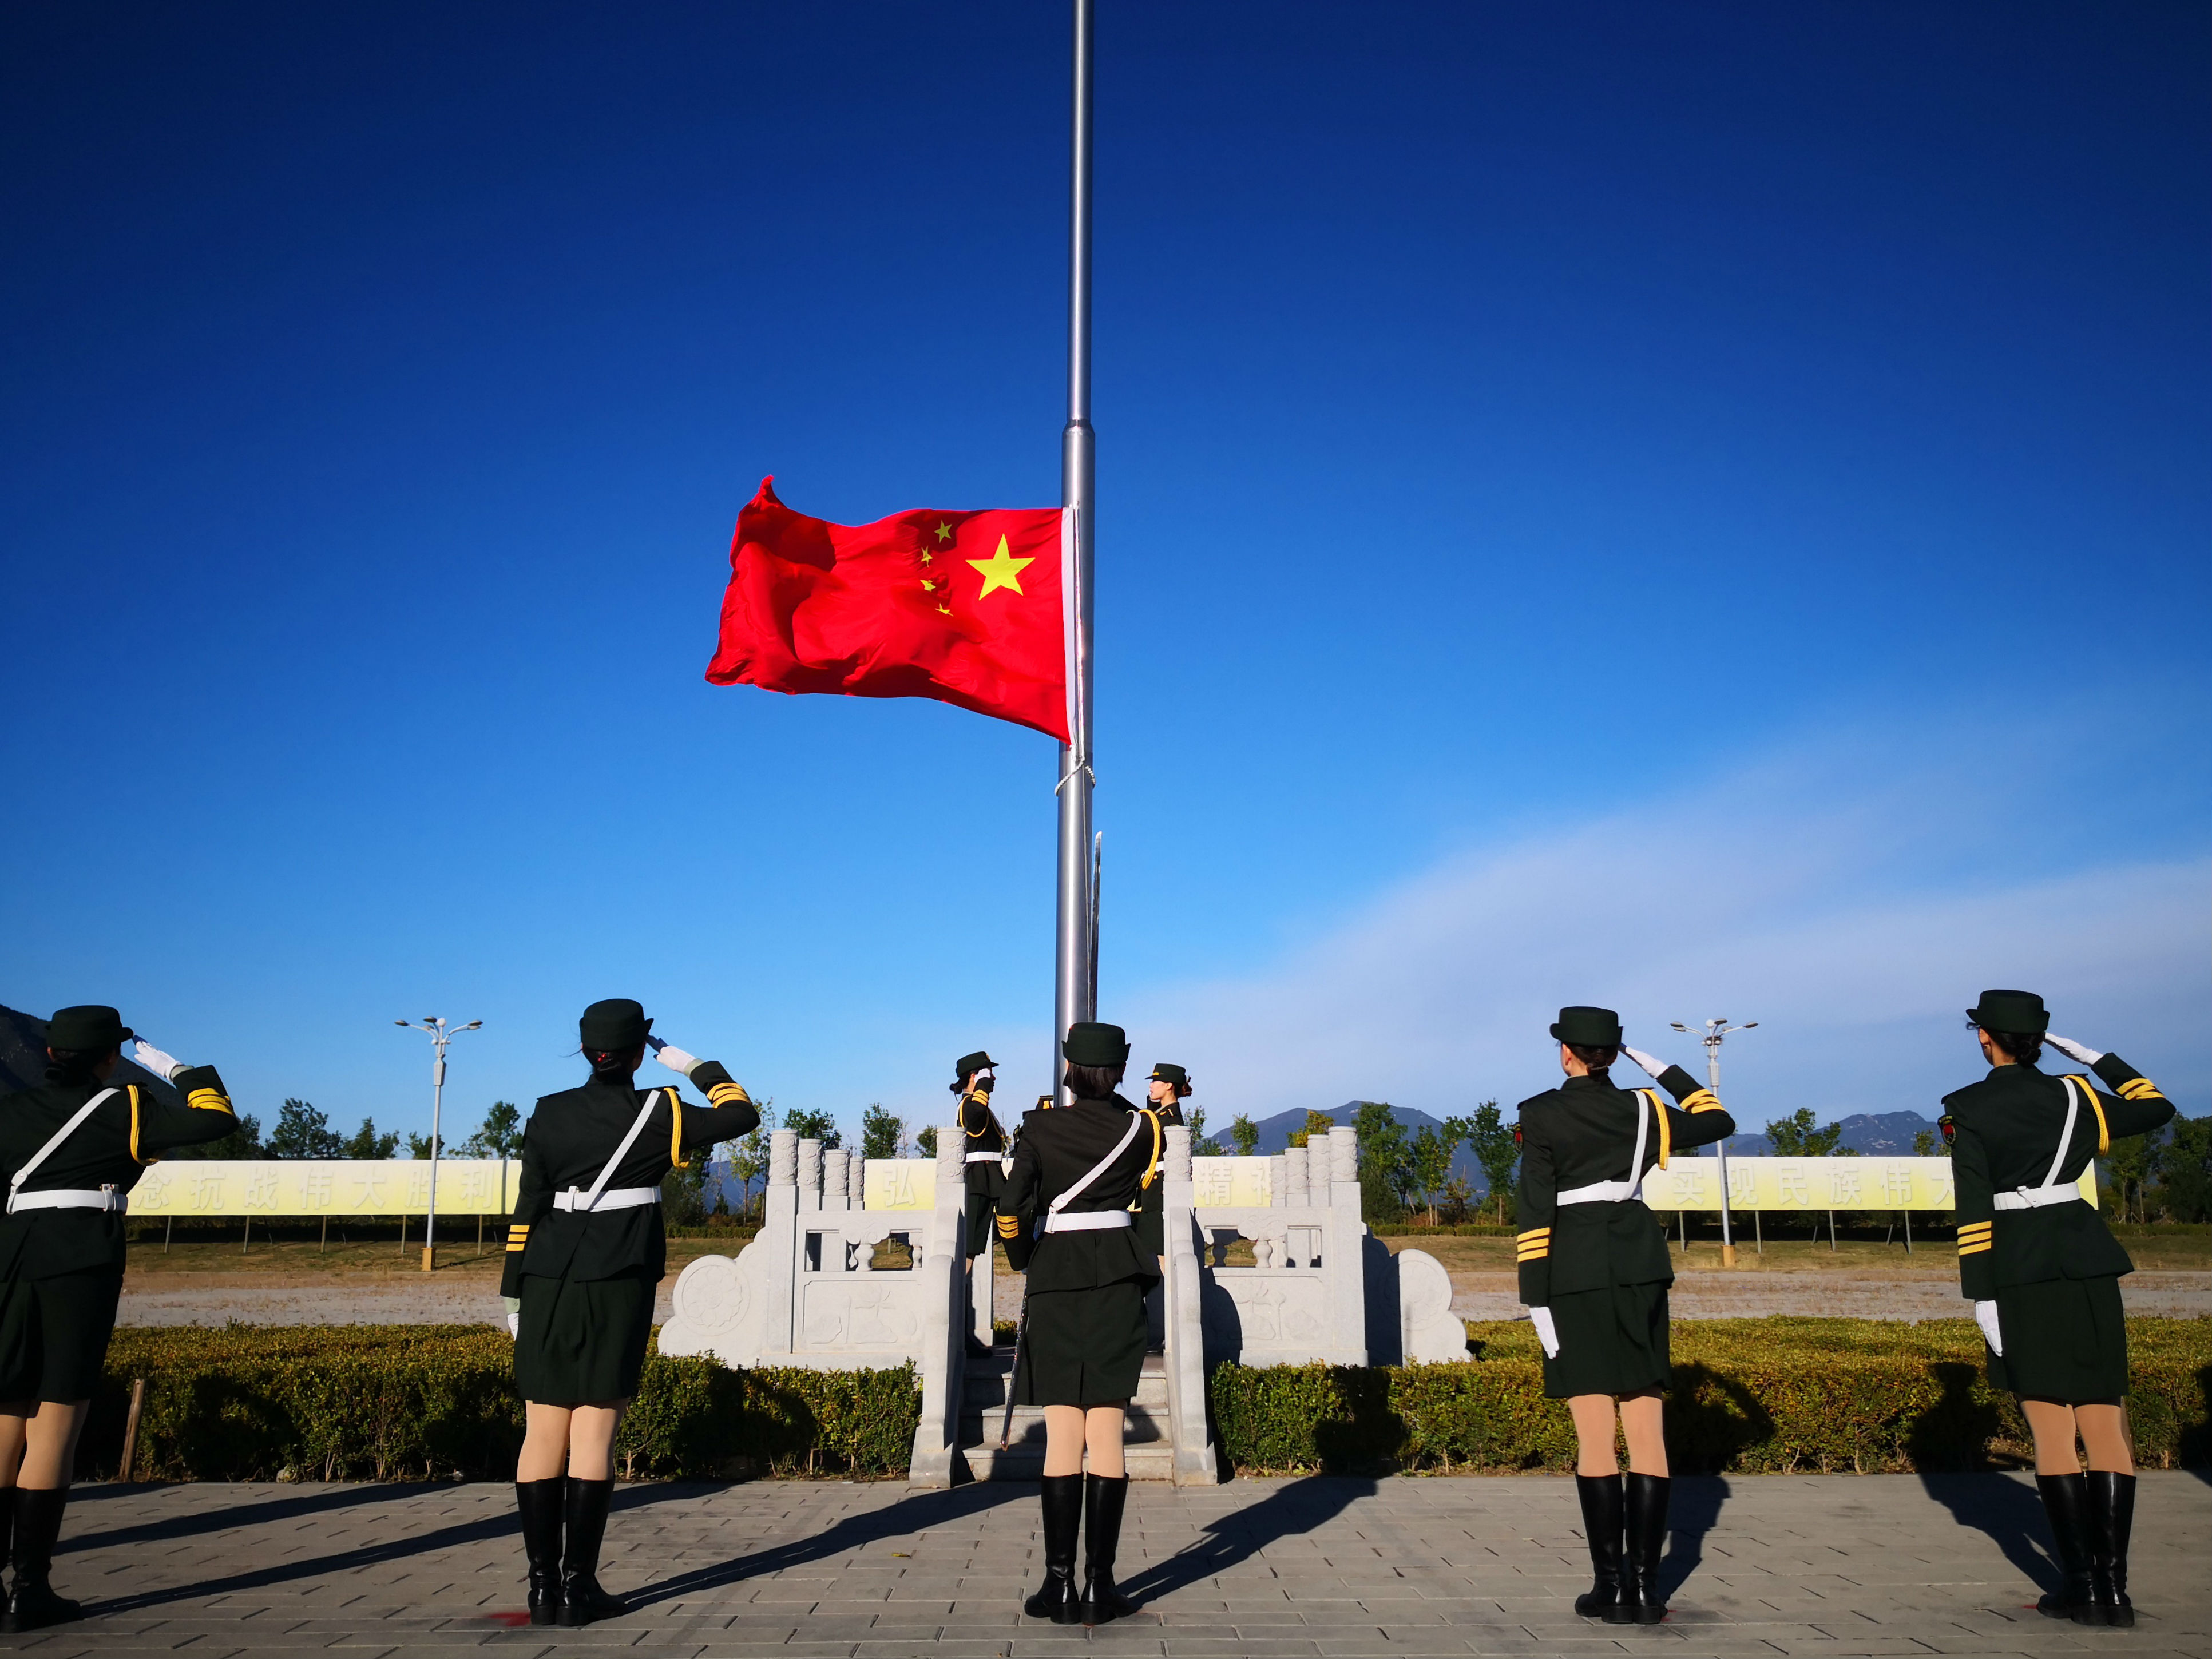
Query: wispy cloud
pixel 1852 898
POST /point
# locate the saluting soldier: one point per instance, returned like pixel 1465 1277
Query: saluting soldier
pixel 2044 1273
pixel 71 1152
pixel 585 1249
pixel 1595 1272
pixel 1081 1216
pixel 983 1148
pixel 1171 1088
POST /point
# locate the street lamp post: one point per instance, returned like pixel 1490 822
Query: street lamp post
pixel 1714 1031
pixel 440 1037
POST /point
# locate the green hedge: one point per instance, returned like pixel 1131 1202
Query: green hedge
pixel 1751 1395
pixel 397 1402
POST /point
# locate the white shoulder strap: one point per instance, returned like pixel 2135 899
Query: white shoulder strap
pixel 2066 1134
pixel 30 1165
pixel 637 1128
pixel 1136 1123
pixel 1646 1104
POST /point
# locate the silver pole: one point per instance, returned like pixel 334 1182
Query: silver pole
pixel 1075 997
pixel 1720 1148
pixel 437 1100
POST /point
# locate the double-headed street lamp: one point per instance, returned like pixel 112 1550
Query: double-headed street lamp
pixel 1714 1031
pixel 440 1037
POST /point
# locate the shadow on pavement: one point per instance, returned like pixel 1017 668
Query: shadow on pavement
pixel 2005 1509
pixel 1286 1512
pixel 909 1515
pixel 1695 1510
pixel 187 1523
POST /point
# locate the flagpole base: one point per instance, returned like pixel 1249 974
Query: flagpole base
pixel 1728 1255
pixel 426 1258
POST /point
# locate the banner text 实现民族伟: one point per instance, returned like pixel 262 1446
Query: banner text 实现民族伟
pixel 389 1186
pixel 1691 1181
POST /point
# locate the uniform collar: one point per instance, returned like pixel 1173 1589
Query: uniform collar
pixel 1593 1081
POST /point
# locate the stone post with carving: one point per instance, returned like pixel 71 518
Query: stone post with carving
pixel 1185 1357
pixel 943 1265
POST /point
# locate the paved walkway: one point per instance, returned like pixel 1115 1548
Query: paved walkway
pixel 1831 1565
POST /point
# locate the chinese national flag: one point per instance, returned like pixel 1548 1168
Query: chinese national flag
pixel 961 606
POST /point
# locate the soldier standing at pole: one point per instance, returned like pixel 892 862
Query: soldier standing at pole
pixel 1170 1087
pixel 71 1152
pixel 1081 1216
pixel 1595 1273
pixel 983 1145
pixel 585 1249
pixel 2044 1274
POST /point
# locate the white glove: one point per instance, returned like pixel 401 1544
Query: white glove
pixel 2067 1046
pixel 162 1066
pixel 513 1314
pixel 1547 1334
pixel 676 1059
pixel 1985 1316
pixel 1651 1067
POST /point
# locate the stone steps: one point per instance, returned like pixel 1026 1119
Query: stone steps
pixel 983 1408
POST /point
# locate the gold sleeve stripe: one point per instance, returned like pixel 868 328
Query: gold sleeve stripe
pixel 728 1094
pixel 1537 1232
pixel 2140 1088
pixel 1701 1100
pixel 209 1100
pixel 1971 1229
pixel 1009 1227
pixel 1976 1250
pixel 1535 1253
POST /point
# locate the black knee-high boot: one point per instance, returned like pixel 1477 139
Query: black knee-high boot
pixel 1063 1518
pixel 1645 1500
pixel 1601 1500
pixel 585 1519
pixel 2066 1507
pixel 540 1503
pixel 1102 1501
pixel 33 1605
pixel 2112 1519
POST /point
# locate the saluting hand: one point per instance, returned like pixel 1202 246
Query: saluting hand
pixel 675 1058
pixel 164 1066
pixel 1652 1068
pixel 2067 1046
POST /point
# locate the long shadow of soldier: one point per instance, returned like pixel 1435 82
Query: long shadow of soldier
pixel 1949 1445
pixel 1695 1510
pixel 1235 1539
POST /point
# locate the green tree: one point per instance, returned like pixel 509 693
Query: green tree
pixel 925 1140
pixel 1202 1145
pixel 303 1132
pixel 816 1126
pixel 1382 1162
pixel 1796 1136
pixel 1244 1136
pixel 500 1136
pixel 1317 1124
pixel 1495 1146
pixel 749 1155
pixel 2184 1170
pixel 1428 1165
pixel 418 1146
pixel 880 1132
pixel 1924 1143
pixel 365 1142
pixel 1458 1195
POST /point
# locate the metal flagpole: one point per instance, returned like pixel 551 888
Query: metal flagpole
pixel 1715 1030
pixel 1075 995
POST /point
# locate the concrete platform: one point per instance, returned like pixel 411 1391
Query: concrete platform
pixel 1828 1565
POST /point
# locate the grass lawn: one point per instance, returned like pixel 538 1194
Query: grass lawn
pixel 2167 1247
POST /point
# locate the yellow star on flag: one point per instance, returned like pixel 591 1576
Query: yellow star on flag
pixel 1000 570
pixel 943 533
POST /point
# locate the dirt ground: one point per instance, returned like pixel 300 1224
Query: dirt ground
pixel 298 1284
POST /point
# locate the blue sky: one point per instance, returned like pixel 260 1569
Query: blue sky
pixel 1699 508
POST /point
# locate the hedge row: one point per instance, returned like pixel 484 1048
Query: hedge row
pixel 391 1402
pixel 1753 1395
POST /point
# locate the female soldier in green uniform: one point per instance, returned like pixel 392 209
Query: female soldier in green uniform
pixel 1593 1273
pixel 2044 1271
pixel 1170 1087
pixel 71 1152
pixel 1087 1170
pixel 983 1146
pixel 585 1249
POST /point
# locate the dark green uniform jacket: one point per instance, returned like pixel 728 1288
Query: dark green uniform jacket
pixel 980 1132
pixel 1583 1132
pixel 1056 1149
pixel 568 1141
pixel 110 1148
pixel 2003 1132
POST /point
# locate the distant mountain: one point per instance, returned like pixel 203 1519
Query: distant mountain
pixel 1275 1135
pixel 1871 1134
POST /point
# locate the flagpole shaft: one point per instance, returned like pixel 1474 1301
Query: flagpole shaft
pixel 1075 997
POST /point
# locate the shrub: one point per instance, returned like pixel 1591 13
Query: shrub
pixel 413 1403
pixel 1764 1395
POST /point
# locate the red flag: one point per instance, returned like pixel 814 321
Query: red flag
pixel 961 606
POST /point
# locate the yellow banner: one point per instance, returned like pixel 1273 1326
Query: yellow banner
pixel 216 1187
pixel 899 1183
pixel 1232 1182
pixel 1693 1182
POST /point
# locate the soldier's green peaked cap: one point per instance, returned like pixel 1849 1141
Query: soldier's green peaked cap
pixel 967 1064
pixel 1164 1073
pixel 2010 1010
pixel 1090 1043
pixel 90 1026
pixel 1589 1028
pixel 615 1024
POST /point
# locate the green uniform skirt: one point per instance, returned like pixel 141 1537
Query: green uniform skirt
pixel 581 1342
pixel 2065 1339
pixel 53 1334
pixel 982 1206
pixel 1612 1340
pixel 1083 1348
